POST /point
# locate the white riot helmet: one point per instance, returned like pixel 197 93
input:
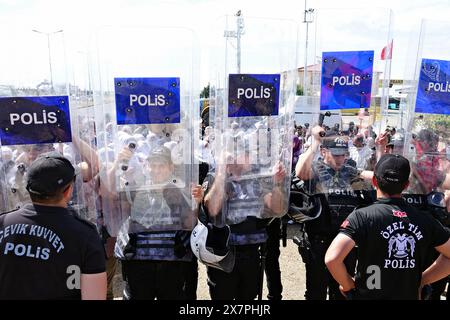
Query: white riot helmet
pixel 210 244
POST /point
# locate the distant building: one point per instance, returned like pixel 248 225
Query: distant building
pixel 312 77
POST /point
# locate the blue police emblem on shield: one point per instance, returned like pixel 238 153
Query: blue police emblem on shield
pixel 147 100
pixel 346 80
pixel 252 95
pixel 433 92
pixel 34 120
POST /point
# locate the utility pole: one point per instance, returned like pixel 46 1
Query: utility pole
pixel 307 18
pixel 237 34
pixel 49 52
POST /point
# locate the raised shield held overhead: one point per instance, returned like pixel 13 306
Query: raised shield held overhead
pixel 343 91
pixel 145 116
pixel 40 114
pixel 252 100
pixel 428 112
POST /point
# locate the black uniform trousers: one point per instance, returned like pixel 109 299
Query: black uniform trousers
pixel 244 280
pixel 319 280
pixel 272 265
pixel 191 279
pixel 149 280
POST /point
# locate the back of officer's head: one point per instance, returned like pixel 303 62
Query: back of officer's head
pixel 392 173
pixel 49 177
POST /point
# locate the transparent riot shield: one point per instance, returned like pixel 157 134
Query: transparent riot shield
pixel 38 114
pixel 144 97
pixel 251 103
pixel 344 81
pixel 428 105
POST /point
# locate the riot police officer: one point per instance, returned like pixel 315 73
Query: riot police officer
pixel 393 239
pixel 246 200
pixel 342 185
pixel 428 180
pixel 153 248
pixel 45 248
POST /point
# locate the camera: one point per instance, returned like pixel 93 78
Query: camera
pixel 322 117
pixel 132 146
pixel 390 130
pixel 21 168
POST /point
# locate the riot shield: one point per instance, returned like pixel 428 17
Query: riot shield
pixel 428 105
pixel 144 102
pixel 251 105
pixel 345 86
pixel 38 114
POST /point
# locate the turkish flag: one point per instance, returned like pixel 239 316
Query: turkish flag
pixel 386 53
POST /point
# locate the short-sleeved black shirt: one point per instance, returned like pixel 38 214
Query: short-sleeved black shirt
pixel 43 249
pixel 393 238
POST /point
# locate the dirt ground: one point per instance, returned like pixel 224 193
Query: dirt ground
pixel 292 274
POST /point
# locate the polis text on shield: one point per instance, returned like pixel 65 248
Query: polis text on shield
pixel 439 87
pixel 347 80
pixel 254 93
pixel 148 100
pixel 33 118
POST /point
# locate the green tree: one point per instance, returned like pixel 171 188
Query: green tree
pixel 299 90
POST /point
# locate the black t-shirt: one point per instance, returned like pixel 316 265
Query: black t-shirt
pixel 43 250
pixel 396 238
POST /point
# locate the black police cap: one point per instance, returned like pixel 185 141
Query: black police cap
pixel 49 173
pixel 393 168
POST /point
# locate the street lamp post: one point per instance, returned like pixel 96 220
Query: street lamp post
pixel 49 52
pixel 237 34
pixel 307 19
